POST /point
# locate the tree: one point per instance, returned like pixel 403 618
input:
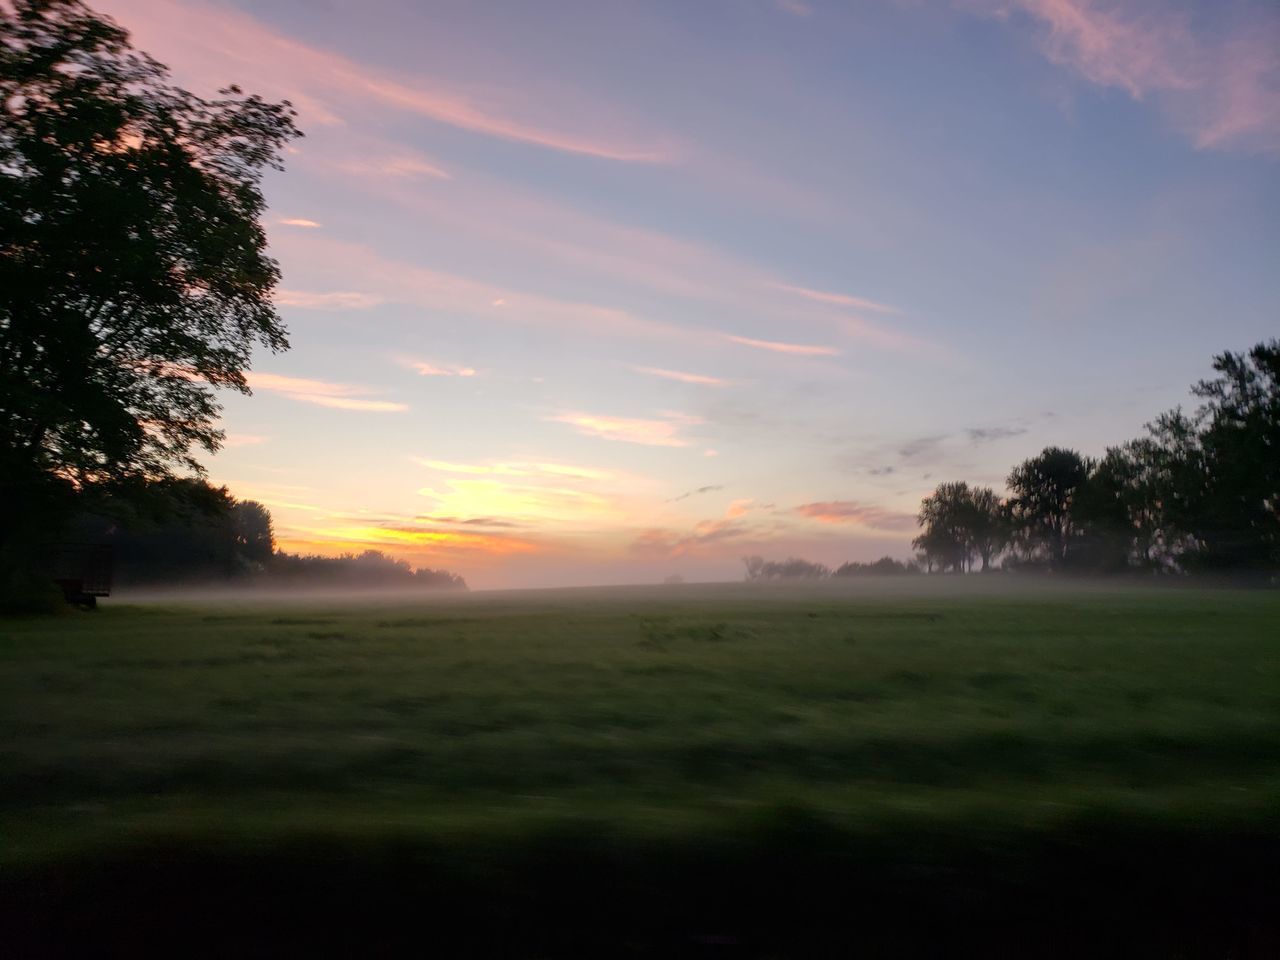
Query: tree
pixel 134 278
pixel 1226 465
pixel 960 521
pixel 254 537
pixel 1043 491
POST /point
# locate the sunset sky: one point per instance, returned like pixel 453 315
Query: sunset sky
pixel 600 292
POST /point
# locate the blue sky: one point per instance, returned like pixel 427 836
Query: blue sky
pixel 604 291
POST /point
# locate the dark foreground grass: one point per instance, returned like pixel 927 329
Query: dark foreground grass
pixel 707 771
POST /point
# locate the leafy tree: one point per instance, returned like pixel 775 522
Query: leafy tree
pixel 134 277
pixel 1044 489
pixel 1226 475
pixel 960 521
pixel 251 525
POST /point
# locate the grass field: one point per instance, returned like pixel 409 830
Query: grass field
pixel 723 770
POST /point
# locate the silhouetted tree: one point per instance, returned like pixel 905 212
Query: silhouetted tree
pixel 254 537
pixel 960 521
pixel 134 277
pixel 1043 489
pixel 1225 465
pixel 885 566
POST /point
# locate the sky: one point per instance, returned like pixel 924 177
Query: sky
pixel 607 291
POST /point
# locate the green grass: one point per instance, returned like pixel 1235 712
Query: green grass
pixel 869 717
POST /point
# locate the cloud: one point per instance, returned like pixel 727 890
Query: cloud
pixel 658 541
pixel 798 349
pixel 471 521
pixel 863 515
pixel 990 434
pixel 683 377
pixel 421 535
pixel 880 471
pixel 693 493
pixel 339 396
pixel 653 433
pixel 299 222
pixel 739 508
pixel 332 300
pixel 402 166
pixel 432 370
pixel 244 440
pixel 839 299
pixel 1218 82
pixel 328 88
pixel 920 447
pixel 558 471
pixel 402 282
pixel 797 8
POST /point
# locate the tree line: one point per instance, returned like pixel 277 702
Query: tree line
pixel 1199 493
pixel 187 531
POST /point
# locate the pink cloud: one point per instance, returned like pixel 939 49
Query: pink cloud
pixel 432 370
pixel 299 222
pixel 322 393
pixel 212 43
pixel 401 165
pixel 863 515
pixel 329 300
pixel 1219 87
pixel 739 508
pixel 839 299
pixel 682 377
pixel 797 349
pixel 403 282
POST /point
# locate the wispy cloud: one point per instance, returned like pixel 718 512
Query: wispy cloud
pixel 244 440
pixel 1221 87
pixel 402 165
pixel 990 434
pixel 797 8
pixel 797 349
pixel 859 514
pixel 739 508
pixel 328 300
pixel 329 87
pixel 662 542
pixel 710 488
pixel 341 396
pixel 683 377
pixel 838 299
pixel 653 433
pixel 447 370
pixel 299 222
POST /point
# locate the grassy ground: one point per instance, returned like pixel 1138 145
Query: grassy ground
pixel 719 770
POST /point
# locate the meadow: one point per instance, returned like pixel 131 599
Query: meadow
pixel 722 770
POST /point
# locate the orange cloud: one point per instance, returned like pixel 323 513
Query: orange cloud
pixel 683 377
pixel 848 511
pixel 739 508
pixel 839 299
pixel 798 349
pixel 654 433
pixel 298 222
pixel 333 300
pixel 321 393
pixel 414 535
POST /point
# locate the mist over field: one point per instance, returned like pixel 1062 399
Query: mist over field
pixel 742 479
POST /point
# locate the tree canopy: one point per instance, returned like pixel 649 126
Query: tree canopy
pixel 134 276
